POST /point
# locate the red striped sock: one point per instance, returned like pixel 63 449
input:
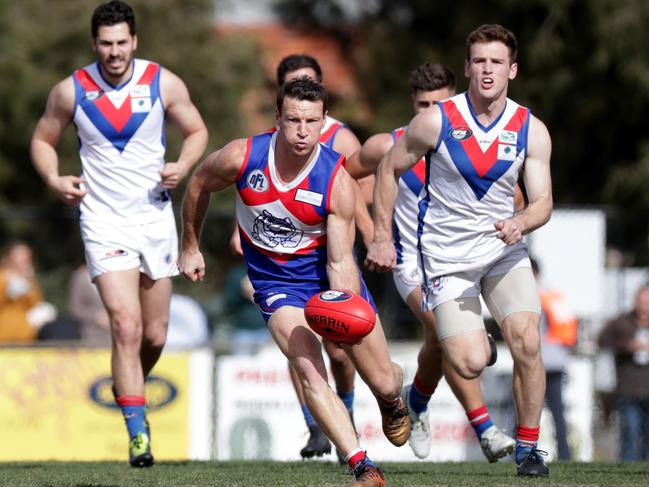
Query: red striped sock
pixel 355 456
pixel 527 435
pixel 130 401
pixel 480 420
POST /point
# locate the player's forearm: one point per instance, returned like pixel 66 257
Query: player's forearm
pixel 536 214
pixel 385 194
pixel 343 274
pixel 192 150
pixel 194 209
pixel 45 161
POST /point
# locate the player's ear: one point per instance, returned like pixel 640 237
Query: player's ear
pixel 134 42
pixel 513 71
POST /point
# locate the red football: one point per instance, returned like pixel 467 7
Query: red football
pixel 340 315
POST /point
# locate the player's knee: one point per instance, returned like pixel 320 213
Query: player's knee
pixel 126 328
pixel 154 341
pixel 470 367
pixel 527 346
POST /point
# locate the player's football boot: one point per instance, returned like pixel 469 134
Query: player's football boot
pixel 420 438
pixel 495 444
pixel 494 350
pixel 396 422
pixel 139 451
pixel 533 465
pixel 317 444
pixel 367 475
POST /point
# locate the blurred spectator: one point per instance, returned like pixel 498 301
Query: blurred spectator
pixel 22 310
pixel 187 324
pixel 249 328
pixel 628 337
pixel 85 306
pixel 558 334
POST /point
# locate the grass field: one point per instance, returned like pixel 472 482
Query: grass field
pixel 295 474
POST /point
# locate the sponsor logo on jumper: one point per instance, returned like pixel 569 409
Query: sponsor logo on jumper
pixel 140 91
pixel 508 137
pixel 309 197
pixel 506 152
pixel 141 105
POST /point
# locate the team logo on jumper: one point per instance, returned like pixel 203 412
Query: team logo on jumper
pixel 114 253
pixel 461 133
pixel 257 181
pixel 334 295
pixel 275 232
pixel 508 137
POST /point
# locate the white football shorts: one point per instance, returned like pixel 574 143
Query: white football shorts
pixel 150 247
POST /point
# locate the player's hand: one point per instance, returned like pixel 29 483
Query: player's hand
pixel 171 175
pixel 381 256
pixel 191 265
pixel 67 188
pixel 510 231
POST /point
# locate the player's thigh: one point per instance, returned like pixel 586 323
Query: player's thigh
pixel 461 332
pixel 155 296
pixel 512 292
pixel 295 339
pixel 119 291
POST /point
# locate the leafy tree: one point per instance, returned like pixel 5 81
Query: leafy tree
pixel 583 69
pixel 42 42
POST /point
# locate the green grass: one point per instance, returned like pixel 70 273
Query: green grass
pixel 296 474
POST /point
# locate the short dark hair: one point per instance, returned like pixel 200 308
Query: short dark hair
pixel 112 13
pixel 491 33
pixel 431 77
pixel 302 89
pixel 295 62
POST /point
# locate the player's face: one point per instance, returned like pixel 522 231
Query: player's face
pixel 114 46
pixel 489 70
pixel 300 123
pixel 301 73
pixel 423 100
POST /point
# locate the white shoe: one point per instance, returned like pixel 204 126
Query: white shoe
pixel 495 444
pixel 419 439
